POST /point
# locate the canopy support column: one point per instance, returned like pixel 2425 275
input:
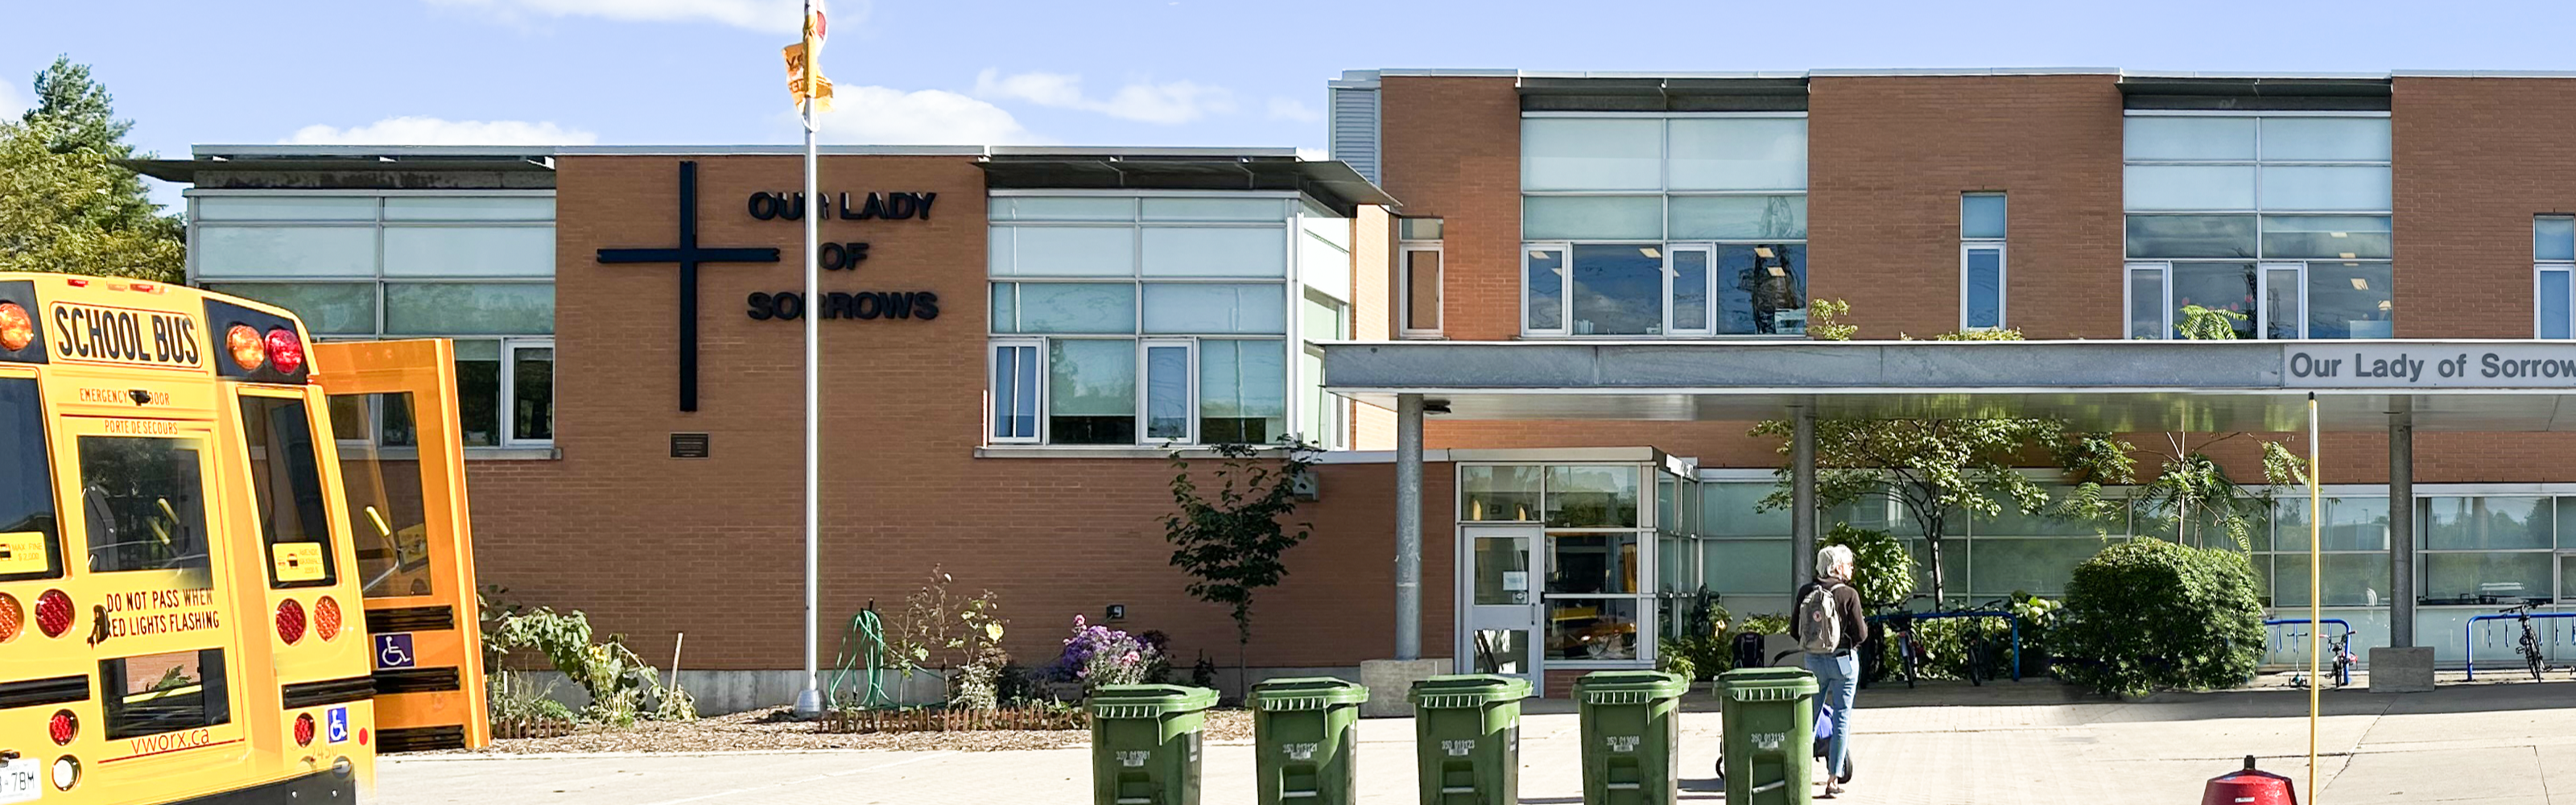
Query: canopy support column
pixel 2401 528
pixel 1802 497
pixel 1408 527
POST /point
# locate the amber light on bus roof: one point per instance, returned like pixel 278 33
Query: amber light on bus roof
pixel 17 329
pixel 245 345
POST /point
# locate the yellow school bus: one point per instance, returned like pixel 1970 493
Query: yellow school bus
pixel 234 564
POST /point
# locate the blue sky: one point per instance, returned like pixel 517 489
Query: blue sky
pixel 1094 72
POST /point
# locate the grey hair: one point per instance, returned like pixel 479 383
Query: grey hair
pixel 1832 556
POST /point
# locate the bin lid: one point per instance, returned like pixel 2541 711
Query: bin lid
pixel 1149 701
pixel 1628 687
pixel 1468 690
pixel 1306 693
pixel 1766 684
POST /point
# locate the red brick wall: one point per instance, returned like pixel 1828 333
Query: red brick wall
pixel 1887 158
pixel 651 545
pixel 1451 148
pixel 2475 159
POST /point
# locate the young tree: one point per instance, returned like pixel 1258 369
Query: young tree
pixel 2192 494
pixel 1231 541
pixel 66 204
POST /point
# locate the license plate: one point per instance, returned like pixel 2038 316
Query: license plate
pixel 19 782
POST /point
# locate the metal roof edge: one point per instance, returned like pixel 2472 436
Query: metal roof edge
pixel 2252 75
pixel 2482 73
pixel 1962 71
pixel 1119 151
pixel 273 151
pixel 1445 72
pixel 770 150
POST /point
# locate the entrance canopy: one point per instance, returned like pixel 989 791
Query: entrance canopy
pixel 2447 385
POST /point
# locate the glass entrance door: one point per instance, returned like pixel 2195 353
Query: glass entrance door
pixel 1499 596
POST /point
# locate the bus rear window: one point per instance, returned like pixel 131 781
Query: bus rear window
pixel 30 543
pixel 157 693
pixel 143 501
pixel 286 481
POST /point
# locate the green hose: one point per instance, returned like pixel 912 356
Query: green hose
pixel 864 647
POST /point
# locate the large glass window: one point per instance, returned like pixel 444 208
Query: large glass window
pixel 1679 226
pixel 1070 269
pixel 478 268
pixel 30 543
pixel 2310 191
pixel 286 486
pixel 143 503
pixel 1506 493
pixel 2488 548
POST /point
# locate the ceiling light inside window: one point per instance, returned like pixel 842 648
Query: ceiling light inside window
pixel 2383 304
pixel 1763 252
pixel 2360 284
pixel 2346 255
pixel 1649 251
pixel 1777 271
pixel 2340 234
pixel 1537 255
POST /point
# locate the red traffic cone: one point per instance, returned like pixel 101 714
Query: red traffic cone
pixel 2248 786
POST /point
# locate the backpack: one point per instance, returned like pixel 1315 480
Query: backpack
pixel 1820 627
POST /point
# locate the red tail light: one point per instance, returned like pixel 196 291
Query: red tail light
pixel 285 351
pixel 304 729
pixel 290 621
pixel 12 618
pixel 16 329
pixel 326 618
pixel 63 727
pixel 244 344
pixel 53 613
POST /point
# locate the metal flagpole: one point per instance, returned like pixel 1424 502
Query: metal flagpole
pixel 810 701
pixel 2316 506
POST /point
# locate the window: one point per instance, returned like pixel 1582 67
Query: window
pixel 2553 258
pixel 1662 226
pixel 477 267
pixel 2279 218
pixel 286 483
pixel 1981 261
pixel 2488 548
pixel 158 693
pixel 1420 291
pixel 1152 320
pixel 30 545
pixel 143 501
pixel 386 520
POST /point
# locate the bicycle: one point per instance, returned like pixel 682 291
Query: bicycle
pixel 2529 645
pixel 2339 647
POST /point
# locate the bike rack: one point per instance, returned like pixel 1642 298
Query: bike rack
pixel 2015 620
pixel 2468 634
pixel 2347 632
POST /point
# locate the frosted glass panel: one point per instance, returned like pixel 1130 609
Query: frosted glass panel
pixel 2346 237
pixel 1063 251
pixel 1012 208
pixel 1216 251
pixel 1091 378
pixel 1324 266
pixel 468 208
pixel 2324 188
pixel 1214 308
pixel 1981 215
pixel 1592 218
pixel 325 307
pixel 2553 238
pixel 1216 209
pixel 1739 154
pixel 462 251
pixel 2190 138
pixel 1733 217
pixel 468 308
pixel 2325 139
pixel 1077 307
pixel 1243 391
pixel 1592 154
pixel 286 208
pixel 2190 187
pixel 2191 236
pixel 284 251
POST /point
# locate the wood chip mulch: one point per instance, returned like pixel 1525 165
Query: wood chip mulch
pixel 773 729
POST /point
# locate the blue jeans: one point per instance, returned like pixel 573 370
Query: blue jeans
pixel 1837 682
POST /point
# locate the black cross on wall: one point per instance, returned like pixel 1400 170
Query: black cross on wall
pixel 688 256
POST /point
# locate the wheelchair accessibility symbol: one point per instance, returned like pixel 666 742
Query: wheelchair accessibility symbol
pixel 394 651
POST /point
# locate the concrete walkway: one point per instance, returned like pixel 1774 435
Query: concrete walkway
pixel 2030 742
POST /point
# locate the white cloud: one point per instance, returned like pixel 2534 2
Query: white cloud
pixel 1169 102
pixel 14 100
pixel 433 131
pixel 888 116
pixel 776 16
pixel 1290 109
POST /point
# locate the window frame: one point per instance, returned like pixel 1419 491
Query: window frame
pixel 1404 288
pixel 510 347
pixel 1036 387
pixel 2263 312
pixel 265 515
pixel 2003 284
pixel 1564 286
pixel 1707 290
pixel 2539 268
pixel 1145 346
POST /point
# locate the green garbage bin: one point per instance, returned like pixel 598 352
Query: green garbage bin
pixel 1467 738
pixel 1145 744
pixel 1630 735
pixel 1769 719
pixel 1305 735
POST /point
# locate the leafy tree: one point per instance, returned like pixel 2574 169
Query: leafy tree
pixel 66 204
pixel 1882 569
pixel 2192 495
pixel 1231 542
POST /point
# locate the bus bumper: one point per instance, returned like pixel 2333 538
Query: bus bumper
pixel 318 788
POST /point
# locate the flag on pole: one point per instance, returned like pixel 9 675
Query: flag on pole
pixel 804 72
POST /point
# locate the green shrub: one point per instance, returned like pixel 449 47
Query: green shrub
pixel 1882 568
pixel 2148 614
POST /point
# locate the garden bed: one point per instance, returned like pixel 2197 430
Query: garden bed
pixel 772 729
